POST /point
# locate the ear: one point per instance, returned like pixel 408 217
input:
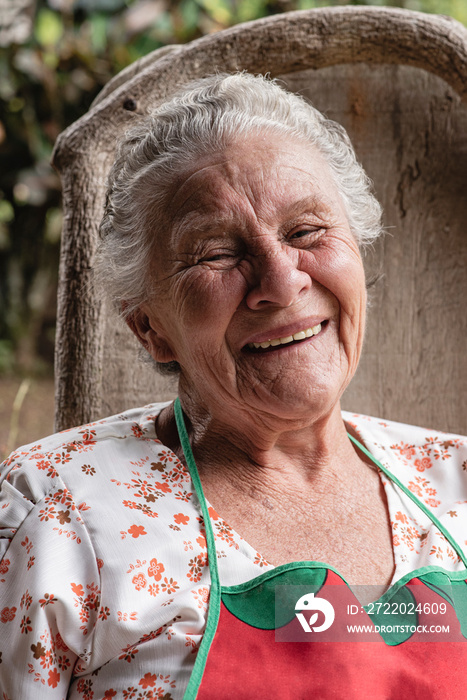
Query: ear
pixel 151 339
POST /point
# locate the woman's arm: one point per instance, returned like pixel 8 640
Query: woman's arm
pixel 49 582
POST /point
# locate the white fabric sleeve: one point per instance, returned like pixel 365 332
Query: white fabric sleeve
pixel 49 583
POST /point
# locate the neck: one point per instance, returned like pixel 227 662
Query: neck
pixel 245 446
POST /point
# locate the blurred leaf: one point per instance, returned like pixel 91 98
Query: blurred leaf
pixel 29 61
pixel 6 356
pixel 21 193
pixel 49 27
pixel 82 80
pixel 145 44
pixel 250 9
pixel 34 184
pixel 53 225
pixel 51 59
pixel 15 104
pixel 90 6
pixel 189 11
pixel 4 237
pixel 7 213
pixel 124 55
pixel 142 15
pixel 99 25
pixel 163 26
pixel 16 21
pixel 7 87
pixel 219 10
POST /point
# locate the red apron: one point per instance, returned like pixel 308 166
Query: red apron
pixel 298 632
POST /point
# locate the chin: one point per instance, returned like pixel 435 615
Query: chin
pixel 299 402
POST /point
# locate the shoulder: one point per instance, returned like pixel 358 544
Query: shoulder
pixel 430 463
pixel 58 463
pixel 408 441
pixel 135 423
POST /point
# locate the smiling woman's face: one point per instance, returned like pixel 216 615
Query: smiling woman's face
pixel 257 250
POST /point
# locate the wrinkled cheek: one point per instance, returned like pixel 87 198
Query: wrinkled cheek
pixel 351 332
pixel 192 299
pixel 208 364
pixel 352 315
pixel 210 299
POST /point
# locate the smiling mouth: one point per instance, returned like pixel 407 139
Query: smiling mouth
pixel 275 343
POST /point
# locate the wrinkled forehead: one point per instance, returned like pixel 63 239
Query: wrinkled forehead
pixel 252 177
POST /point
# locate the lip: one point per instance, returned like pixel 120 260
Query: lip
pixel 284 331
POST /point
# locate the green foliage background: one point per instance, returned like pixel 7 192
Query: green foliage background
pixel 49 80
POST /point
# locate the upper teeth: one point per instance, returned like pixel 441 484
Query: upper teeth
pixel 301 335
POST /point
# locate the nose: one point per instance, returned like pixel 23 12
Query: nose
pixel 277 279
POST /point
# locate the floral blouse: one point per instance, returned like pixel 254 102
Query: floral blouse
pixel 104 573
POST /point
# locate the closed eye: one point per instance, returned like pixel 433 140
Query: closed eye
pixel 225 258
pixel 309 233
pixel 301 234
pixel 214 258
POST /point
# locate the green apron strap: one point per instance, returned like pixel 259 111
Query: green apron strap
pixel 215 592
pixel 414 498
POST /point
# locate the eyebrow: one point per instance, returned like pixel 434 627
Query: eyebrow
pixel 201 226
pixel 200 222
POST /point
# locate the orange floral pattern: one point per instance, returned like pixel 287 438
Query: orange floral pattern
pixel 110 561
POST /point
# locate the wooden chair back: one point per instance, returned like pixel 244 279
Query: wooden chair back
pixel 397 81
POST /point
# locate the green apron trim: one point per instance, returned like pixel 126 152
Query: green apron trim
pixel 414 498
pixel 433 570
pixel 265 604
pixel 256 605
pixel 215 592
pixel 454 592
pixel 229 592
pixel 277 571
pixel 456 576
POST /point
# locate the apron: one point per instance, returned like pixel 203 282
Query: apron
pixel 297 631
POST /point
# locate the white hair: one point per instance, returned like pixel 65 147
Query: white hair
pixel 202 119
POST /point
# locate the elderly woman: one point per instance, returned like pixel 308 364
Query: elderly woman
pixel 190 549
